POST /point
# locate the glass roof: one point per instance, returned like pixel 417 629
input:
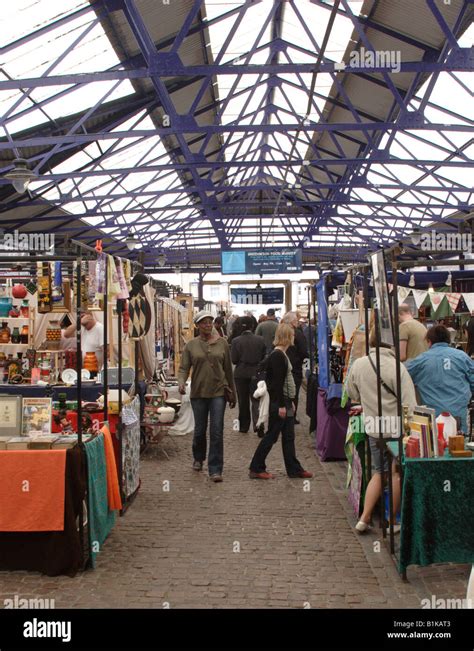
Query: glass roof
pixel 133 184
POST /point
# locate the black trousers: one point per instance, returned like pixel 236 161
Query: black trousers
pixel 298 382
pixel 246 402
pixel 277 425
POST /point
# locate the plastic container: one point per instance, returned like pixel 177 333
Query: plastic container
pixel 450 425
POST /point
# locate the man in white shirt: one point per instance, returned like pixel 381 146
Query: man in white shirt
pixel 92 336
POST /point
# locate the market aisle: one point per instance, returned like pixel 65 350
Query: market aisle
pixel 241 543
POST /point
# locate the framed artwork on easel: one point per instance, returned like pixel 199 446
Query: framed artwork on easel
pixel 382 298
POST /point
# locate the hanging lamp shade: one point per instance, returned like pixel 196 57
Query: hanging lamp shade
pixel 20 176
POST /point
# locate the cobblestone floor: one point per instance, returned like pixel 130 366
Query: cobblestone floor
pixel 239 544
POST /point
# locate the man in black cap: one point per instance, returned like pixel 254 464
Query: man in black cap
pixel 247 351
pixel 267 329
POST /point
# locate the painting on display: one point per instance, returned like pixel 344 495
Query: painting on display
pixel 382 298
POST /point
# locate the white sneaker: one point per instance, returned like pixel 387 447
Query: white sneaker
pixel 396 529
pixel 362 526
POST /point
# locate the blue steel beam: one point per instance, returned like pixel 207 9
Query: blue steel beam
pixel 238 128
pixel 173 70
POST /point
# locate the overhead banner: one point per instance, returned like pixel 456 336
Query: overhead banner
pixel 261 262
pixel 270 296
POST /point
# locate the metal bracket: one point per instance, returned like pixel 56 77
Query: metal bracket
pixel 462 57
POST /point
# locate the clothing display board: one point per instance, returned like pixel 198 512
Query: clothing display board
pixel 56 552
pixel 131 447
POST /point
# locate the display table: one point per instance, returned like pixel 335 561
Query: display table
pixel 331 429
pixel 90 392
pixel 437 516
pixel 60 552
pixel 56 552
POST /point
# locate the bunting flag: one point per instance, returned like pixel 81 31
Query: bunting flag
pixel 402 294
pixel 419 295
pixel 436 298
pixel 453 299
pixel 469 299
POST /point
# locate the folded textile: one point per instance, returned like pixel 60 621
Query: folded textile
pixel 32 489
pixel 262 394
pixel 113 489
pixel 101 518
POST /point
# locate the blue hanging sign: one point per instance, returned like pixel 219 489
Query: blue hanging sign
pixel 262 262
pixel 268 296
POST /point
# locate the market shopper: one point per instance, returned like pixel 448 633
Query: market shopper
pixel 361 386
pixel 212 383
pixel 444 376
pixel 267 329
pixel 247 351
pixel 412 334
pixel 281 388
pixel 296 353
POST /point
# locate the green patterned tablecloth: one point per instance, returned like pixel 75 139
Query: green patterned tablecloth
pixel 437 523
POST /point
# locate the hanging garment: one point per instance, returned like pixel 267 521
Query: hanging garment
pixel 113 288
pixel 140 317
pixel 262 394
pixel 124 293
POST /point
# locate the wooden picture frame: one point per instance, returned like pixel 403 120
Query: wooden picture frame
pixel 65 304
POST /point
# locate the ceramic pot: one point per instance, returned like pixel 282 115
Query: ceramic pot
pixel 5 333
pixel 91 363
pixel 19 291
pixel 166 414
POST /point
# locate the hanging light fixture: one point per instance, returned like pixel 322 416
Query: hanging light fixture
pixel 20 176
pixel 131 242
pixel 161 259
pixel 449 280
pixel 412 281
pixel 416 236
pixel 430 289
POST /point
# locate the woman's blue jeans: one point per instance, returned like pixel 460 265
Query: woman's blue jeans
pixel 212 409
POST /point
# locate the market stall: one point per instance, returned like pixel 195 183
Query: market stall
pixel 431 531
pixel 54 399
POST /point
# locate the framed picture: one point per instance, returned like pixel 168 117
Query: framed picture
pixel 10 415
pixel 64 304
pixel 37 414
pixel 382 298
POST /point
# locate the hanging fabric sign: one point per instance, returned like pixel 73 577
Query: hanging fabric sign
pixel 453 299
pixel 436 298
pixel 419 295
pixel 402 294
pixel 469 299
pixel 114 285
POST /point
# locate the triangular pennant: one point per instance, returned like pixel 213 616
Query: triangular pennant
pixel 402 294
pixel 453 300
pixel 436 298
pixel 419 295
pixel 469 299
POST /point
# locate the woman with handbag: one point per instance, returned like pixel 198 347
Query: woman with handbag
pixel 361 386
pixel 212 385
pixel 282 390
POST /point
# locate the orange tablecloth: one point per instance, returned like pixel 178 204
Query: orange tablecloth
pixel 32 488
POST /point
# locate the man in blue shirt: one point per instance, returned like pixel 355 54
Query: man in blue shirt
pixel 443 375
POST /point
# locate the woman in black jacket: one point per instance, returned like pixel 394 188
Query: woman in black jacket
pixel 281 388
